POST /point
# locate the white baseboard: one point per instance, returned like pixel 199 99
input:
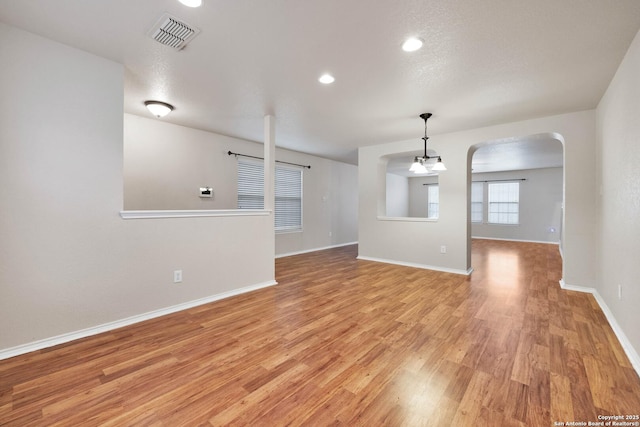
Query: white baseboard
pixel 71 336
pixel 631 352
pixel 423 266
pixel 306 251
pixel 560 249
pixel 515 240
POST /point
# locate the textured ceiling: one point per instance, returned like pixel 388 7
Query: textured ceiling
pixel 534 152
pixel 483 62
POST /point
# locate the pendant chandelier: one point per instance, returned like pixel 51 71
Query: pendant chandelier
pixel 420 163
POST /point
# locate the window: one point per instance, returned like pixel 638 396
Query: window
pixel 477 198
pixel 250 185
pixel 288 199
pixel 504 200
pixel 433 201
pixel 288 193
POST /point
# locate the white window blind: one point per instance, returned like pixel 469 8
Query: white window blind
pixel 433 201
pixel 288 193
pixel 504 201
pixel 250 185
pixel 477 198
pixel 288 215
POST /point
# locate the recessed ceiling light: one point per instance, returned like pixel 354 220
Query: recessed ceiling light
pixel 191 3
pixel 326 79
pixel 158 108
pixel 412 44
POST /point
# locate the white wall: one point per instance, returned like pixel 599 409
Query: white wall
pixel 67 260
pixel 418 195
pixel 540 206
pixel 397 198
pixel 619 194
pixel 418 242
pixel 330 205
pixel 165 164
pixel 344 203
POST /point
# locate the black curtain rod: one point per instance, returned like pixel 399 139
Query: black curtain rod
pixel 262 158
pixel 503 180
pixel 493 180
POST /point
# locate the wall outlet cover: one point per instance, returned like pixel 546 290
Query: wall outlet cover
pixel 177 276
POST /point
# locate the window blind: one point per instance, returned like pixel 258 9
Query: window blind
pixel 504 201
pixel 250 185
pixel 288 193
pixel 477 198
pixel 433 201
pixel 288 215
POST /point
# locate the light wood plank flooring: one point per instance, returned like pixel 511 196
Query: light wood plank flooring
pixel 347 342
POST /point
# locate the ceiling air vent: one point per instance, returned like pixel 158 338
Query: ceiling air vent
pixel 172 32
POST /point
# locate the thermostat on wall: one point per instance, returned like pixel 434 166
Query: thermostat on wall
pixel 206 192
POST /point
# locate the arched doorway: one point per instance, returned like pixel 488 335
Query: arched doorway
pixel 516 190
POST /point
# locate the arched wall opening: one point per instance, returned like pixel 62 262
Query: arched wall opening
pixel 516 189
pixel 409 194
pixel 419 241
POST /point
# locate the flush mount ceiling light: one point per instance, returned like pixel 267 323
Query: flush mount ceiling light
pixel 419 164
pixel 191 3
pixel 326 79
pixel 158 108
pixel 412 44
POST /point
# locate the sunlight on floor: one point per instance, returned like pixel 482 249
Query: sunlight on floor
pixel 502 267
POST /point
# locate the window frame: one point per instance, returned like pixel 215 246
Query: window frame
pixel 255 189
pixel 298 225
pixel 255 192
pixel 503 211
pixel 477 184
pixel 435 212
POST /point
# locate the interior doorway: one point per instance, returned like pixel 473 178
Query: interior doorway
pixel 516 190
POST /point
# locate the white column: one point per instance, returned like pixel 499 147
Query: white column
pixel 269 162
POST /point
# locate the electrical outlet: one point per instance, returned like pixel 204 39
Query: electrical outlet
pixel 443 249
pixel 619 291
pixel 177 276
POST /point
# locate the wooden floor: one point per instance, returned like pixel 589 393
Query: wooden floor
pixel 347 342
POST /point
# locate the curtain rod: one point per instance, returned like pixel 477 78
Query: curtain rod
pixel 262 158
pixel 493 180
pixel 503 180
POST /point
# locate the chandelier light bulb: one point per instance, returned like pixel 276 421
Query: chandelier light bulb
pixel 415 166
pixel 421 169
pixel 439 166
